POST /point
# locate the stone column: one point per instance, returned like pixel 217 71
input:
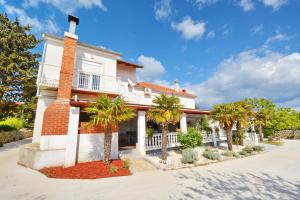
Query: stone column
pixel 183 123
pixel 72 138
pixel 141 132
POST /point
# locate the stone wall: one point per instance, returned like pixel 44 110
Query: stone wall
pixel 289 134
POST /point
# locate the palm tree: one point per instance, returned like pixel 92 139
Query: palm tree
pixel 264 111
pixel 166 111
pixel 108 112
pixel 226 115
pixel 244 116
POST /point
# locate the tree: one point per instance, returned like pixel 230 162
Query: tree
pixel 264 110
pixel 166 111
pixel 108 113
pixel 244 116
pixel 18 63
pixel 226 115
pixel 283 119
pixel 203 124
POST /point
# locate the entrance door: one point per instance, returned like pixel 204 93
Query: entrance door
pixel 128 134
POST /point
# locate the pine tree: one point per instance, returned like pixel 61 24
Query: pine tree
pixel 18 64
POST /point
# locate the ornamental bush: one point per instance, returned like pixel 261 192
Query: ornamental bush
pixel 248 149
pixel 11 124
pixel 189 156
pixel 258 148
pixel 212 154
pixel 113 169
pixel 229 154
pixel 126 164
pixel 243 153
pixel 190 139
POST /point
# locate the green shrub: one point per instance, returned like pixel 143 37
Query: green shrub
pixel 113 169
pixel 190 139
pixel 211 154
pixel 258 148
pixel 248 149
pixel 1 144
pixel 229 154
pixel 236 155
pixel 189 156
pixel 126 164
pixel 11 124
pixel 149 132
pixel 243 153
pixel 5 127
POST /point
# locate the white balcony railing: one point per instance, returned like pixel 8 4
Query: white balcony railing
pixel 49 77
pixel 155 142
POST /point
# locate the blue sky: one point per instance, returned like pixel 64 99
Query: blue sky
pixel 223 50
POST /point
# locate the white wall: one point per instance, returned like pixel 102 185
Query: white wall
pixel 53 52
pixel 91 147
pixel 97 62
pixel 137 96
pixel 126 72
pixel 87 59
pixel 94 62
pixel 51 142
pixel 42 104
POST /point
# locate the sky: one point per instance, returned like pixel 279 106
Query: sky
pixel 222 50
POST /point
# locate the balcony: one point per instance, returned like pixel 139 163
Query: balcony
pixel 48 77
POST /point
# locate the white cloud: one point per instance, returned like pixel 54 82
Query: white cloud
pixel 275 4
pixel 210 35
pixel 37 25
pixel 257 29
pixel 189 28
pixel 163 10
pixel 153 69
pixel 247 5
pixel 226 30
pixel 202 3
pixel 250 74
pixel 276 38
pixel 66 6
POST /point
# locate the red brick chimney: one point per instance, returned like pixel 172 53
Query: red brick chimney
pixel 56 116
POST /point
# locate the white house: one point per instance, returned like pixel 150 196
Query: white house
pixel 72 73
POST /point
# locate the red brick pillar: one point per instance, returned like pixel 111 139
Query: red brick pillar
pixel 67 68
pixel 56 116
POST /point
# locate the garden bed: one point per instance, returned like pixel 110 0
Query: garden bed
pixel 88 170
pixel 175 156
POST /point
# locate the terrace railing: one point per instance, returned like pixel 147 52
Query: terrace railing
pixel 155 142
pixel 49 77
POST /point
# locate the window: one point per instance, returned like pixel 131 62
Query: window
pixel 89 81
pixel 84 80
pixel 96 82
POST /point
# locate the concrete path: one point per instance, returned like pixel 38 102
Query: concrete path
pixel 271 175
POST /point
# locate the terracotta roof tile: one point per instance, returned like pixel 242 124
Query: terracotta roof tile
pixel 164 89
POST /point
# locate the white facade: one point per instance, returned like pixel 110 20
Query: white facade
pixel 114 78
pixel 96 70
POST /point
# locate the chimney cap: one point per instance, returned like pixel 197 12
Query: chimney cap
pixel 73 18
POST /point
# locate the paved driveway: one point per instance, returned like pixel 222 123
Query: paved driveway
pixel 272 175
